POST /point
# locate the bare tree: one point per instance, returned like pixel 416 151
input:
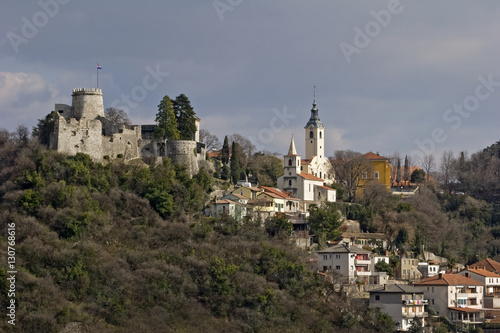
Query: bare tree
pixel 246 146
pixel 447 168
pixel 394 158
pixel 210 140
pixel 21 135
pixel 117 116
pixel 349 167
pixel 428 164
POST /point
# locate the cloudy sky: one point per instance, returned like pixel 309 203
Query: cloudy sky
pixel 391 76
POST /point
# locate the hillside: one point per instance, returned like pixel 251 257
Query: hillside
pixel 121 248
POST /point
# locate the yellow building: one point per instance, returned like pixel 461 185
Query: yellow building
pixel 380 173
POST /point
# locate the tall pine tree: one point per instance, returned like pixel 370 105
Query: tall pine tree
pixel 225 151
pixel 235 162
pixel 186 118
pixel 166 122
pixel 406 174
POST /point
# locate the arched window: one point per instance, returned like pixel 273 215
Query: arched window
pixel 290 182
pixel 311 134
pixel 320 174
pixel 320 135
pixel 290 162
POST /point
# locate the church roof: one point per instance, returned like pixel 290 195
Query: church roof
pixel 292 151
pixel 306 175
pixel 314 120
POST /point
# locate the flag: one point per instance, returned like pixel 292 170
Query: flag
pixel 99 66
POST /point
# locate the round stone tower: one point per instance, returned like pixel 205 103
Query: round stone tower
pixel 87 103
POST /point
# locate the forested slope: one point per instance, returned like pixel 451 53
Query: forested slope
pixel 121 248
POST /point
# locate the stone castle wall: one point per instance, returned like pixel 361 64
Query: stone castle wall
pixel 83 128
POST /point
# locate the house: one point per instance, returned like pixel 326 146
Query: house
pixel 408 270
pixel 491 285
pixel 487 264
pixel 455 296
pixel 301 230
pixel 248 192
pixel 428 269
pixel 379 175
pixel 292 204
pixel 402 302
pixel 352 262
pixel 228 207
pixel 372 240
pixel 236 197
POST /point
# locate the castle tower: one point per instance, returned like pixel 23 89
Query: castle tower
pixel 87 103
pixel 315 138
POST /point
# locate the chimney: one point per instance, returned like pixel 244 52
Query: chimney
pixel 440 276
pixel 385 286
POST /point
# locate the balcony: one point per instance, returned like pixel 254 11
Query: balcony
pixel 415 314
pixel 416 302
pixel 362 262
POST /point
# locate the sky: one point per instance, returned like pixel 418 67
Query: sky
pixel 413 77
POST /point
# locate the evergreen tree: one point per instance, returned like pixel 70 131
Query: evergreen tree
pixel 186 119
pixel 398 172
pixel 44 127
pixel 166 122
pixel 235 162
pixel 225 151
pixel 406 175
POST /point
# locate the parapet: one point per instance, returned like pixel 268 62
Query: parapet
pixel 87 91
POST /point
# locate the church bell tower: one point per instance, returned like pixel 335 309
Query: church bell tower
pixel 315 134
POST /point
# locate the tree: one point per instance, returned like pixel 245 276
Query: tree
pixel 447 168
pixel 166 122
pixel 398 172
pixel 406 172
pixel 186 118
pixel 210 140
pixel 416 326
pixel 21 135
pixel 225 151
pixel 428 164
pixel 235 162
pixel 279 226
pixel 417 176
pixel 382 266
pixel 349 167
pixel 325 222
pixel 43 129
pixel 246 148
pixel 117 116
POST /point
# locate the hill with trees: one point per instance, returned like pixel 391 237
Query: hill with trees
pixel 118 247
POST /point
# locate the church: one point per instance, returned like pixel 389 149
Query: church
pixel 306 178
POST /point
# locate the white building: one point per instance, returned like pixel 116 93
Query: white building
pixel 457 297
pixel 352 262
pixel 491 285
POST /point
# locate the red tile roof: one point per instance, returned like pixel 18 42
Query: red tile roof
pixel 372 156
pixel 281 193
pixel 326 187
pixel 488 264
pixel 448 280
pixel 305 161
pixel 483 272
pixel 306 175
pixel 465 309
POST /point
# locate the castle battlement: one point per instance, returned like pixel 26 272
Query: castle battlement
pixel 87 91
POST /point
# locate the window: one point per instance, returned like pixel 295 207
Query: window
pixel 320 135
pixel 290 182
pixel 376 175
pixel 337 268
pixel 311 135
pixel 377 297
pixel 320 174
pixel 337 256
pixel 364 175
pixel 432 301
pixel 290 162
pixel 325 256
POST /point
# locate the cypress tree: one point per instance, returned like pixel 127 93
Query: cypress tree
pixel 186 118
pixel 225 151
pixel 166 122
pixel 235 162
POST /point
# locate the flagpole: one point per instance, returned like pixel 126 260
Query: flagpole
pixel 97 70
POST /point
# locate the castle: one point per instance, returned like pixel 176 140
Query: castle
pixel 83 128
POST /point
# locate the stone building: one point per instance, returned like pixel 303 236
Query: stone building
pixel 83 128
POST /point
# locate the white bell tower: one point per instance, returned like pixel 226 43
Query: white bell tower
pixel 315 134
